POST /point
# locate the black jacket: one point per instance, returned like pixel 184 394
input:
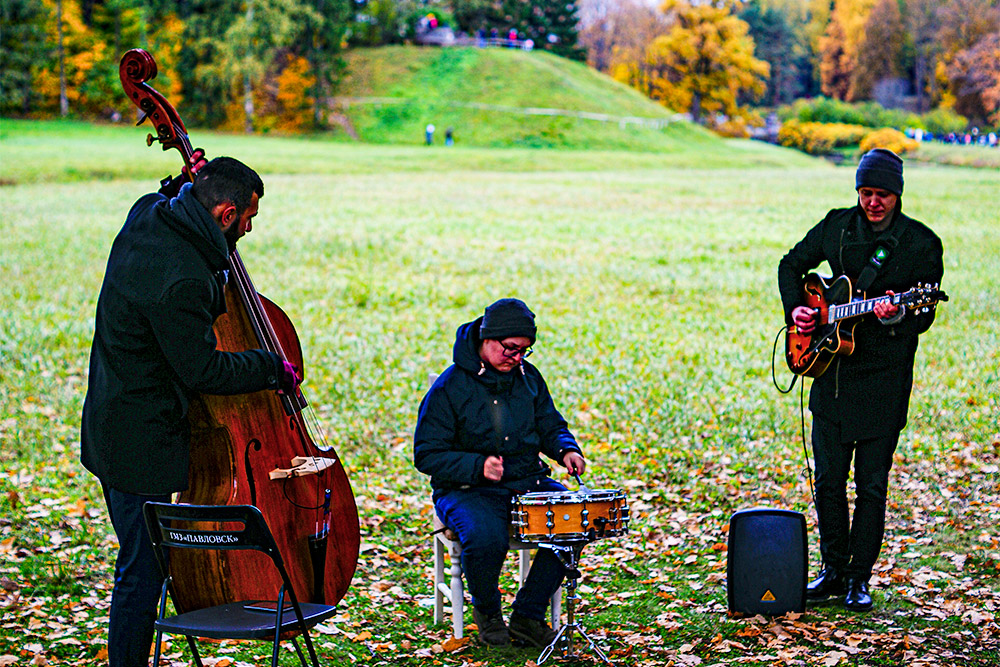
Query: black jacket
pixel 867 393
pixel 154 346
pixel 473 411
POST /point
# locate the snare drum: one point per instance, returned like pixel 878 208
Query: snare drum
pixel 567 516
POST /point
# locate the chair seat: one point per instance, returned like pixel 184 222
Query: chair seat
pixel 236 621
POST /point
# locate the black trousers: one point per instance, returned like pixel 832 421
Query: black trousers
pixel 851 546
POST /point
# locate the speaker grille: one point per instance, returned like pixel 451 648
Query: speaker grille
pixel 767 562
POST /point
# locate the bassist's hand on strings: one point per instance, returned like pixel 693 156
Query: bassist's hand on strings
pixel 804 319
pixel 290 378
pixel 170 187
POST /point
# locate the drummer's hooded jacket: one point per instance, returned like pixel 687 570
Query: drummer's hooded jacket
pixel 474 411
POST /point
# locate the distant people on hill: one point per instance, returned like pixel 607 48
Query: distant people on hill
pixel 449 140
pixel 429 134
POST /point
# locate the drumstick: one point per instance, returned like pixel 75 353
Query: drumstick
pixel 583 487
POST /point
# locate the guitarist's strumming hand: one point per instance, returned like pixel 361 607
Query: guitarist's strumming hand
pixel 885 310
pixel 804 318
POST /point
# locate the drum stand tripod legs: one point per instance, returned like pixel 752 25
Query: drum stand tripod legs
pixel 569 554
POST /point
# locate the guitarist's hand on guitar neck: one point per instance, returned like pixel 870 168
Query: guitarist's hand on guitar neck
pixel 885 310
pixel 804 318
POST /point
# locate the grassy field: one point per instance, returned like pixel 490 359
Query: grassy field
pixel 391 93
pixel 653 277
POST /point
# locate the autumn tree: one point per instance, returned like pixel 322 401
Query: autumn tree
pixel 975 78
pixel 704 61
pixel 961 25
pixel 879 51
pixel 835 65
pixel 615 34
pixel 921 28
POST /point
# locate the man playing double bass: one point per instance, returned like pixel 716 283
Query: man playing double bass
pixel 859 404
pixel 154 349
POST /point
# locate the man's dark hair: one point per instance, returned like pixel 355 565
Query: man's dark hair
pixel 226 180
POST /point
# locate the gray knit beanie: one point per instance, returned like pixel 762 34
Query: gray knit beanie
pixel 507 318
pixel 880 168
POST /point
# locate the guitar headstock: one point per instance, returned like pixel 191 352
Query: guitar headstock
pixel 922 298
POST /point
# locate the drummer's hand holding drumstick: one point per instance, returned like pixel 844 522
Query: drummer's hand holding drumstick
pixel 493 468
pixel 575 463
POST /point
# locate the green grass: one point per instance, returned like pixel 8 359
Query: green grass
pixel 448 87
pixel 653 276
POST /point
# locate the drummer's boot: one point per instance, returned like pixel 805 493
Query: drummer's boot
pixel 492 629
pixel 529 632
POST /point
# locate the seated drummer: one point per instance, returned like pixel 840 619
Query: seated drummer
pixel 480 431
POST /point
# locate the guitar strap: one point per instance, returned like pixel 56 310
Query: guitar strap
pixel 884 245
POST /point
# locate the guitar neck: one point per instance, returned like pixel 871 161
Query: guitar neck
pixel 858 308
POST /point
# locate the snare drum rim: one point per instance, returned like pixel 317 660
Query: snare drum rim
pixel 568 497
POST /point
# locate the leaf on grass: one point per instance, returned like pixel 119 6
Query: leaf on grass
pixel 453 644
pixel 832 658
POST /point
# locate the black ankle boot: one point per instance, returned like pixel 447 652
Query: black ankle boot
pixel 858 598
pixel 829 583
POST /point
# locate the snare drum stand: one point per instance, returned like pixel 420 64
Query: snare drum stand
pixel 569 554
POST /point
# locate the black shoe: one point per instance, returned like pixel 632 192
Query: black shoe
pixel 492 629
pixel 858 598
pixel 530 632
pixel 829 583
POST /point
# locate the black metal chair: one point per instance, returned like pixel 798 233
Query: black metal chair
pixel 245 619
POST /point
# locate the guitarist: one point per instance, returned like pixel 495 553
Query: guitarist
pixel 859 404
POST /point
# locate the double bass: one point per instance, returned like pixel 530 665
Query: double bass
pixel 264 449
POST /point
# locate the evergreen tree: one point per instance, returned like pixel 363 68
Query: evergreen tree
pixel 22 47
pixel 777 43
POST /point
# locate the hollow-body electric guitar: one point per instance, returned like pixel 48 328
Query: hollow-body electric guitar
pixel 835 303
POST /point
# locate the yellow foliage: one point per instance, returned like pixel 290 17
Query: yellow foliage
pixel 281 101
pixel 889 138
pixel 82 50
pixel 294 101
pixel 819 138
pixel 701 64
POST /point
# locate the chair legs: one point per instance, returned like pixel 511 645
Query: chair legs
pixel 453 589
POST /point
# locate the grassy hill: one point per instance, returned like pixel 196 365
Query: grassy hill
pixel 392 93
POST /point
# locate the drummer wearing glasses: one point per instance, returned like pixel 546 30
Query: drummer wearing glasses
pixel 480 434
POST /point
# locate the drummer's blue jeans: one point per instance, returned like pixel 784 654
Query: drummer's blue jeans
pixel 481 519
pixel 137 581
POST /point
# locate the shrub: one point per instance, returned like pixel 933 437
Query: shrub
pixel 942 121
pixel 819 138
pixel 871 114
pixel 889 138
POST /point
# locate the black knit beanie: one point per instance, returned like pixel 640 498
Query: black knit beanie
pixel 507 318
pixel 880 168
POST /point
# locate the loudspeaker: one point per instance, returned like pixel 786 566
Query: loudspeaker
pixel 767 562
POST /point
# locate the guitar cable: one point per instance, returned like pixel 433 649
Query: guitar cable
pixel 802 416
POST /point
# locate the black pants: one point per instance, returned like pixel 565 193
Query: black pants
pixel 137 581
pixel 851 546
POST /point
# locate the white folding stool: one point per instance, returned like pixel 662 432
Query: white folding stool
pixel 453 591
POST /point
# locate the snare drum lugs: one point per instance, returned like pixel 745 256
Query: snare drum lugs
pixel 566 516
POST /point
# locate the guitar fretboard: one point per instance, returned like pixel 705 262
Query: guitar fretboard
pixel 856 308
